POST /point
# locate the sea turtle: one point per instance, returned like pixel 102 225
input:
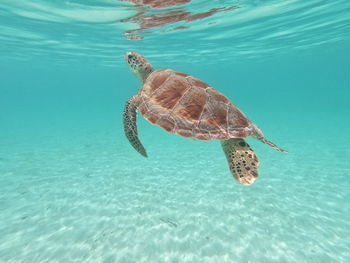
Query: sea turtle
pixel 187 106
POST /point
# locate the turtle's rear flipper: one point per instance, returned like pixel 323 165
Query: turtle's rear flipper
pixel 242 160
pixel 130 127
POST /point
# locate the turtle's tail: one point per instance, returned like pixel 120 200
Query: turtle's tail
pixel 264 140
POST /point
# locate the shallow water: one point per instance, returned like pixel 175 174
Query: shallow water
pixel 72 189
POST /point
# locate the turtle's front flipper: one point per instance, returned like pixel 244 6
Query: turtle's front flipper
pixel 242 160
pixel 130 127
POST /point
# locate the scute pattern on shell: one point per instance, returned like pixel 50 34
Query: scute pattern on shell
pixel 182 104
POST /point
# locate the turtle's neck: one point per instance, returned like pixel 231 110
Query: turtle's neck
pixel 145 72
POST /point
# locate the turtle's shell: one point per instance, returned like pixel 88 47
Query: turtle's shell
pixel 182 104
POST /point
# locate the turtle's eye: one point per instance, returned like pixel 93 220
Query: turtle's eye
pixel 130 57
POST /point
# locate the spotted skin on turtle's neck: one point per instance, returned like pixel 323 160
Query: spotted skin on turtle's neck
pixel 138 65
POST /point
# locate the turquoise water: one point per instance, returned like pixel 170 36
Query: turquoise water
pixel 72 189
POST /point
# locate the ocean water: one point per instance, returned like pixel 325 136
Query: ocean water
pixel 72 189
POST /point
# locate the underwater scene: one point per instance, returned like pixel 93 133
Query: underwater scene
pixel 144 131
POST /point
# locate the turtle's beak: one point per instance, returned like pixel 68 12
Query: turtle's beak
pixel 129 57
pixel 131 60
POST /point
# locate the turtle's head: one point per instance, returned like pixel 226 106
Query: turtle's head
pixel 138 65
